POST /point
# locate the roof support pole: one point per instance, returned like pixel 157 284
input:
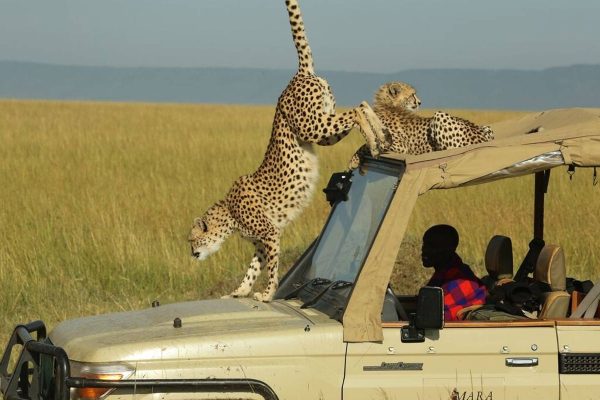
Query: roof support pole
pixel 537 243
pixel 541 188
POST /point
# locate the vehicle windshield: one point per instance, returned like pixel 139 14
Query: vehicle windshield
pixel 340 250
pixel 352 225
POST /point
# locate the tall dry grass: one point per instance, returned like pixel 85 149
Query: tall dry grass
pixel 96 200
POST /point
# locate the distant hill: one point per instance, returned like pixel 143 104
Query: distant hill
pixel 573 86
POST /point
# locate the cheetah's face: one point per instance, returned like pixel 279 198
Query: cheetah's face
pixel 398 95
pixel 208 233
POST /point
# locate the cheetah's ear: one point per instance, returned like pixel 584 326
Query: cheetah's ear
pixel 393 91
pixel 200 224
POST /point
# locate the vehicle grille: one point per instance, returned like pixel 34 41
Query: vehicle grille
pixel 579 363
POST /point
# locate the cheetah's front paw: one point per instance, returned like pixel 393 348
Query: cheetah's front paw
pixel 376 127
pixel 264 297
pixel 239 292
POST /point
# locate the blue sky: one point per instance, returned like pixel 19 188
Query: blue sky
pixel 351 35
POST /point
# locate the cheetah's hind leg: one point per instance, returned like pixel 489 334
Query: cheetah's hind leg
pixel 488 132
pixel 254 270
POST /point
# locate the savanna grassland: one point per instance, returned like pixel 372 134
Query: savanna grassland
pixel 96 200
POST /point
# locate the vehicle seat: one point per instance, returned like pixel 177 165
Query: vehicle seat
pixel 550 269
pixel 392 308
pixel 498 261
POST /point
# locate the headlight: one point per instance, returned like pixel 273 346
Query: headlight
pixel 97 371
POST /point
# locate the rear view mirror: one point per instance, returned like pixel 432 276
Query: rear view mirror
pixel 430 315
pixel 338 187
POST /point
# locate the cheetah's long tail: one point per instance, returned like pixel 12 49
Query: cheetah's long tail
pixel 305 59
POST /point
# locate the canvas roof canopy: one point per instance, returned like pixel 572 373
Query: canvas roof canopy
pixel 524 145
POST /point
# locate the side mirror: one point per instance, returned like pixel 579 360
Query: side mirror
pixel 430 315
pixel 430 308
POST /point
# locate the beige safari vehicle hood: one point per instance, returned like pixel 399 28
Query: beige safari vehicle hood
pixel 207 328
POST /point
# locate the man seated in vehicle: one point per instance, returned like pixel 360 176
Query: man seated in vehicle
pixel 461 287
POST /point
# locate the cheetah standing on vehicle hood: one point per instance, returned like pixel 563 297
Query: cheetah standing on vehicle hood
pixel 395 105
pixel 261 204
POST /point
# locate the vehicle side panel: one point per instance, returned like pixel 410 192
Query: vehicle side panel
pixel 457 363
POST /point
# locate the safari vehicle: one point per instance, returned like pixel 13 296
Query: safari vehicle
pixel 335 329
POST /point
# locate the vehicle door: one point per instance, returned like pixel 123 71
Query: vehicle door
pixel 464 361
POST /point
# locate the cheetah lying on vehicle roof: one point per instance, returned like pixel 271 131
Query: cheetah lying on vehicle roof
pixel 261 204
pixel 395 105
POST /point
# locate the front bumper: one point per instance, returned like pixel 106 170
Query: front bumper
pixel 42 371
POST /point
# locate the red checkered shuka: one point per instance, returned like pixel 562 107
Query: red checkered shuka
pixel 461 288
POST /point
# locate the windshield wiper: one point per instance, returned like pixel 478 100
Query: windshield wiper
pixel 333 285
pixel 314 282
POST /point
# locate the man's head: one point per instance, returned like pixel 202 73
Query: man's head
pixel 439 246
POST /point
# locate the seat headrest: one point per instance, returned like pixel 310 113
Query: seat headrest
pixel 550 267
pixel 499 257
